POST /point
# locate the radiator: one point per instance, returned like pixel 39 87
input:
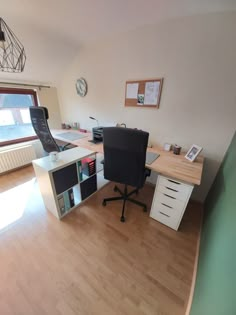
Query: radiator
pixel 17 157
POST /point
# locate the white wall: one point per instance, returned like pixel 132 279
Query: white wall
pixel 196 57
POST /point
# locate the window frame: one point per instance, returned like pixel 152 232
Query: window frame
pixel 21 91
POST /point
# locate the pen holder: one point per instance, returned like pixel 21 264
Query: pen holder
pixel 176 149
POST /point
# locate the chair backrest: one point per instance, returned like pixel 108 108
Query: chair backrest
pixel 39 116
pixel 125 155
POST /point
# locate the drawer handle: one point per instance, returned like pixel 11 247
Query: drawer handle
pixel 172 181
pixel 171 189
pixel 169 196
pixel 166 205
pixel 166 215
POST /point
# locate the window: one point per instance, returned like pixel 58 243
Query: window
pixel 15 122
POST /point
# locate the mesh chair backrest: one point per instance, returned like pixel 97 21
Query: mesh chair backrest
pixel 125 155
pixel 39 116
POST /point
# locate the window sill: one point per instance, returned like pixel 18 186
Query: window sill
pixel 16 141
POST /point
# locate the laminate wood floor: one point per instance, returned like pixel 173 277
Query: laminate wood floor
pixel 90 262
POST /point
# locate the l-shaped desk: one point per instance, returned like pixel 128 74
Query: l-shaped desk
pixel 176 180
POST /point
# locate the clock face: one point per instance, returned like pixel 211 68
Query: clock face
pixel 81 87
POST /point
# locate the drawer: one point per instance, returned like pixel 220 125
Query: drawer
pixel 179 195
pixel 171 221
pixel 169 201
pixel 166 209
pixel 174 185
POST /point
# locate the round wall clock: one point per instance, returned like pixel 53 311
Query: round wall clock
pixel 81 87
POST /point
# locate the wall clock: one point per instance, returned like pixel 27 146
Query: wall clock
pixel 81 87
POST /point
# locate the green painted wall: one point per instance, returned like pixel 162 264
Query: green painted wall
pixel 215 291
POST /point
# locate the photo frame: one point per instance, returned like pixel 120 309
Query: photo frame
pixel 193 152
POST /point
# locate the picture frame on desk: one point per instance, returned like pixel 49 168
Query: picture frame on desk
pixel 193 152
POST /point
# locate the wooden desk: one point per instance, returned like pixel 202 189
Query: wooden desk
pixel 174 184
pixel 167 164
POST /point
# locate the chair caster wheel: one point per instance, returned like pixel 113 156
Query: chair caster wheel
pixel 115 188
pixel 145 209
pixel 104 203
pixel 122 219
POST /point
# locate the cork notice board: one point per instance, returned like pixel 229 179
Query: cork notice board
pixel 143 93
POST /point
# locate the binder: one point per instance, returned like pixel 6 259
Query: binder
pixel 71 197
pixel 61 205
pixel 80 170
pixel 66 200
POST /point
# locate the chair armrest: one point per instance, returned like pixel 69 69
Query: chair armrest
pixel 67 146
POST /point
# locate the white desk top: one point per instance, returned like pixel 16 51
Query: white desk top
pixel 64 158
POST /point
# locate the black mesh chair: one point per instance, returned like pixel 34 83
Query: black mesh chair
pixel 124 161
pixel 39 116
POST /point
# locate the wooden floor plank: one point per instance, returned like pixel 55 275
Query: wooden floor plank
pixel 91 263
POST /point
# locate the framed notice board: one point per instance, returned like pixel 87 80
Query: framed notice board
pixel 143 93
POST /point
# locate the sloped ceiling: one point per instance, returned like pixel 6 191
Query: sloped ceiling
pixel 53 30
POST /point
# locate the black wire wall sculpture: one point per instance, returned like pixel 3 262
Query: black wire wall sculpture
pixel 12 52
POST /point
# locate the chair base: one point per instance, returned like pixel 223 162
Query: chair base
pixel 125 196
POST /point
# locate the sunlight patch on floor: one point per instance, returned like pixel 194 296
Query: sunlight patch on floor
pixel 13 203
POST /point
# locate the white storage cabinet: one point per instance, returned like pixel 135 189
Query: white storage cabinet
pixel 65 183
pixel 170 201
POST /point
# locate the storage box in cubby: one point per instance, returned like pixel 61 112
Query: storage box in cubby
pixel 89 166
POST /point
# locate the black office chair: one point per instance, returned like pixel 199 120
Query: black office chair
pixel 39 116
pixel 124 161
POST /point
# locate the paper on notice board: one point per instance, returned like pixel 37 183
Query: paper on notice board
pixel 132 90
pixel 151 93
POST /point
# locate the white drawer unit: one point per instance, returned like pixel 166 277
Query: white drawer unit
pixel 170 201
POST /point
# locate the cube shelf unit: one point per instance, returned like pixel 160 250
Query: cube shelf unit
pixel 67 182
